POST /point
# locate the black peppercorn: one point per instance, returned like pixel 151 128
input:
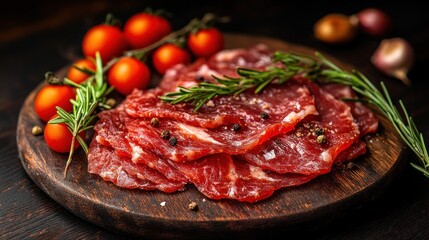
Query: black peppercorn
pixel 264 115
pixel 165 134
pixel 172 141
pixel 320 131
pixel 236 127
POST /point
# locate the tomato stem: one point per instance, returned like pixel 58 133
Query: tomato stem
pixel 193 24
pixel 111 20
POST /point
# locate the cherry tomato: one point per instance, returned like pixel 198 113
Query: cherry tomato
pixel 335 29
pixel 78 76
pixel 169 55
pixel 143 29
pixel 51 96
pixel 206 42
pixel 59 138
pixel 106 39
pixel 128 73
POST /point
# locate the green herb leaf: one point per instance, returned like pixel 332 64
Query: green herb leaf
pixel 89 95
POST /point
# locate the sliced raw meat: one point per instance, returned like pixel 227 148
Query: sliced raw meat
pixel 223 63
pixel 160 163
pixel 280 101
pixel 220 176
pixel 209 130
pixel 227 61
pixel 365 118
pixel 351 153
pixel 119 170
pixel 277 149
pixel 299 151
pixel 111 132
pixel 221 110
pixel 286 106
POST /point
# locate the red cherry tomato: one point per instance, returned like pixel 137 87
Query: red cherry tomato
pixel 128 73
pixel 106 39
pixel 169 55
pixel 206 42
pixel 78 76
pixel 143 29
pixel 59 138
pixel 51 96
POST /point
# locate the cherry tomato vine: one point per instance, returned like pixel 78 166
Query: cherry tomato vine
pixel 121 59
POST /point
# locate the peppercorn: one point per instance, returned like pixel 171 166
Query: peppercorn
pixel 154 122
pixel 111 102
pixel 193 206
pixel 36 130
pixel 264 115
pixel 172 141
pixel 319 131
pixel 165 134
pixel 236 127
pixel 321 139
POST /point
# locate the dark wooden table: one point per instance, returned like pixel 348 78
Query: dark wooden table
pixel 46 36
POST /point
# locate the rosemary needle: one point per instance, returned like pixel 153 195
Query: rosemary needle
pixel 318 68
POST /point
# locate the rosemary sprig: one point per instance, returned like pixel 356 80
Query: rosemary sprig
pixel 249 79
pixel 319 68
pixel 403 124
pixel 89 96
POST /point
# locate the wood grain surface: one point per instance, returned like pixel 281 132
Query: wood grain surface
pixel 156 214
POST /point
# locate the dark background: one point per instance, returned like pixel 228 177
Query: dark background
pixel 45 36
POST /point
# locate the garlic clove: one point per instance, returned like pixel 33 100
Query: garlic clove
pixel 394 57
pixel 374 22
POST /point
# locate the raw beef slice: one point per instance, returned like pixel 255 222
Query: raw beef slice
pixel 286 106
pixel 220 176
pixel 122 172
pixel 299 151
pixel 111 132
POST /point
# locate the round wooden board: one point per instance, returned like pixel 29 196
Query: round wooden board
pixel 143 213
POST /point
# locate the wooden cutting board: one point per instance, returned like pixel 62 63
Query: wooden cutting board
pixel 160 215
